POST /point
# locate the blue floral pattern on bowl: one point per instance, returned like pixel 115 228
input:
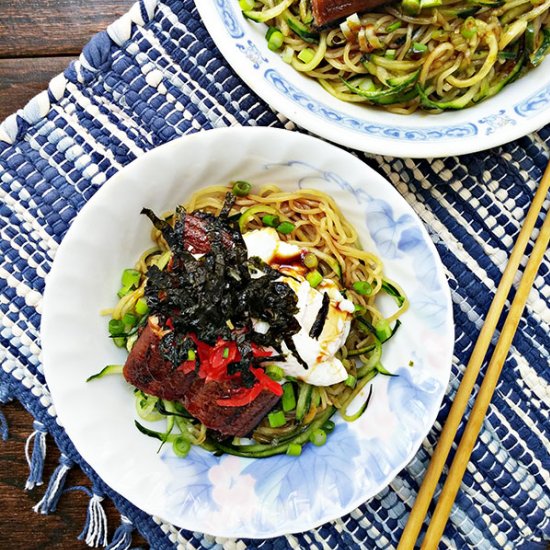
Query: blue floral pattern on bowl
pixel 522 107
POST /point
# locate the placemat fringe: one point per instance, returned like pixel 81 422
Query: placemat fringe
pixel 94 533
pixel 122 539
pixel 5 397
pixel 53 493
pixel 36 459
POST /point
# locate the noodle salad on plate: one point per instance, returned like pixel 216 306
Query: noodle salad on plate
pixel 432 55
pixel 251 321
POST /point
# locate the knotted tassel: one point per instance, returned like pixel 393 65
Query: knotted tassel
pixel 5 397
pixel 95 528
pixel 36 460
pixel 122 539
pixel 51 497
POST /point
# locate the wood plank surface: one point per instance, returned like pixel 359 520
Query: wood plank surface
pixel 38 39
pixel 20 527
pixel 21 79
pixel 34 28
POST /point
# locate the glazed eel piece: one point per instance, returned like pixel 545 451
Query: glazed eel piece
pixel 329 11
pixel 147 369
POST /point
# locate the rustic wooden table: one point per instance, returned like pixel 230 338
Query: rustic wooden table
pixel 38 39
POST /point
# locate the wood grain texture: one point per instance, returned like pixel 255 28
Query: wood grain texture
pixel 20 527
pixel 37 28
pixel 22 79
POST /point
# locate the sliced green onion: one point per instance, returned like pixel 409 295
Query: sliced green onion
pixel 246 5
pixel 383 330
pixel 318 437
pixel 306 55
pixel 181 446
pixel 276 419
pixel 394 26
pixel 358 308
pixel 241 188
pixel 411 7
pixel 390 54
pixel 123 291
pixel 191 355
pixel 350 381
pixel 363 288
pixel 294 449
pixel 314 278
pixel 310 260
pixel 131 277
pixel 285 228
pixel 275 372
pixel 109 369
pixel 329 426
pixel 141 307
pixel 120 341
pixel 225 353
pixel 271 220
pixel 129 320
pixel 275 39
pixel 469 28
pixel 116 327
pixel 288 400
pixel 418 47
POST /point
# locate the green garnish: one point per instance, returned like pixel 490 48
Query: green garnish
pixel 241 188
pixel 276 419
pixel 363 288
pixel 285 228
pixel 314 278
pixel 294 449
pixel 288 400
pixel 271 220
pixel 318 437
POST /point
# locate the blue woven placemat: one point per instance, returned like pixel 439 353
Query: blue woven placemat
pixel 156 75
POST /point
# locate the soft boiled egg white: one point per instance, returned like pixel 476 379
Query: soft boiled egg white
pixel 319 353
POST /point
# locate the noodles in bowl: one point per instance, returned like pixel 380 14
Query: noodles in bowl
pixel 253 315
pixel 432 55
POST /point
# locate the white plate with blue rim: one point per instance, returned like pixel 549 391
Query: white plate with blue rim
pixel 227 495
pixel 520 108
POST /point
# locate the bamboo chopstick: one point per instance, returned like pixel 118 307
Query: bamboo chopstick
pixel 460 402
pixel 483 399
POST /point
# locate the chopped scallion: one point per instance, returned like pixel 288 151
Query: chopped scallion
pixel 390 54
pixel 394 26
pixel 306 55
pixel 289 398
pixel 294 449
pixel 271 220
pixel 225 353
pixel 246 5
pixel 120 341
pixel 129 320
pixel 318 437
pixel 276 419
pixel 350 381
pixel 275 372
pixel 191 355
pixel 363 288
pixel 241 188
pixel 310 260
pixel 130 278
pixel 418 47
pixel 116 327
pixel 181 446
pixel 285 228
pixel 329 426
pixel 123 291
pixel 314 278
pixel 141 307
pixel 274 38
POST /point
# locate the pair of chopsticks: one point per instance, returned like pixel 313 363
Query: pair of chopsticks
pixel 483 399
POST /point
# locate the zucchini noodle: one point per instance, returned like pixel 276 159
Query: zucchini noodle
pixel 433 55
pixel 320 228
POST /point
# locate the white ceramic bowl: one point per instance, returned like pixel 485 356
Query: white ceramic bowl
pixel 230 496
